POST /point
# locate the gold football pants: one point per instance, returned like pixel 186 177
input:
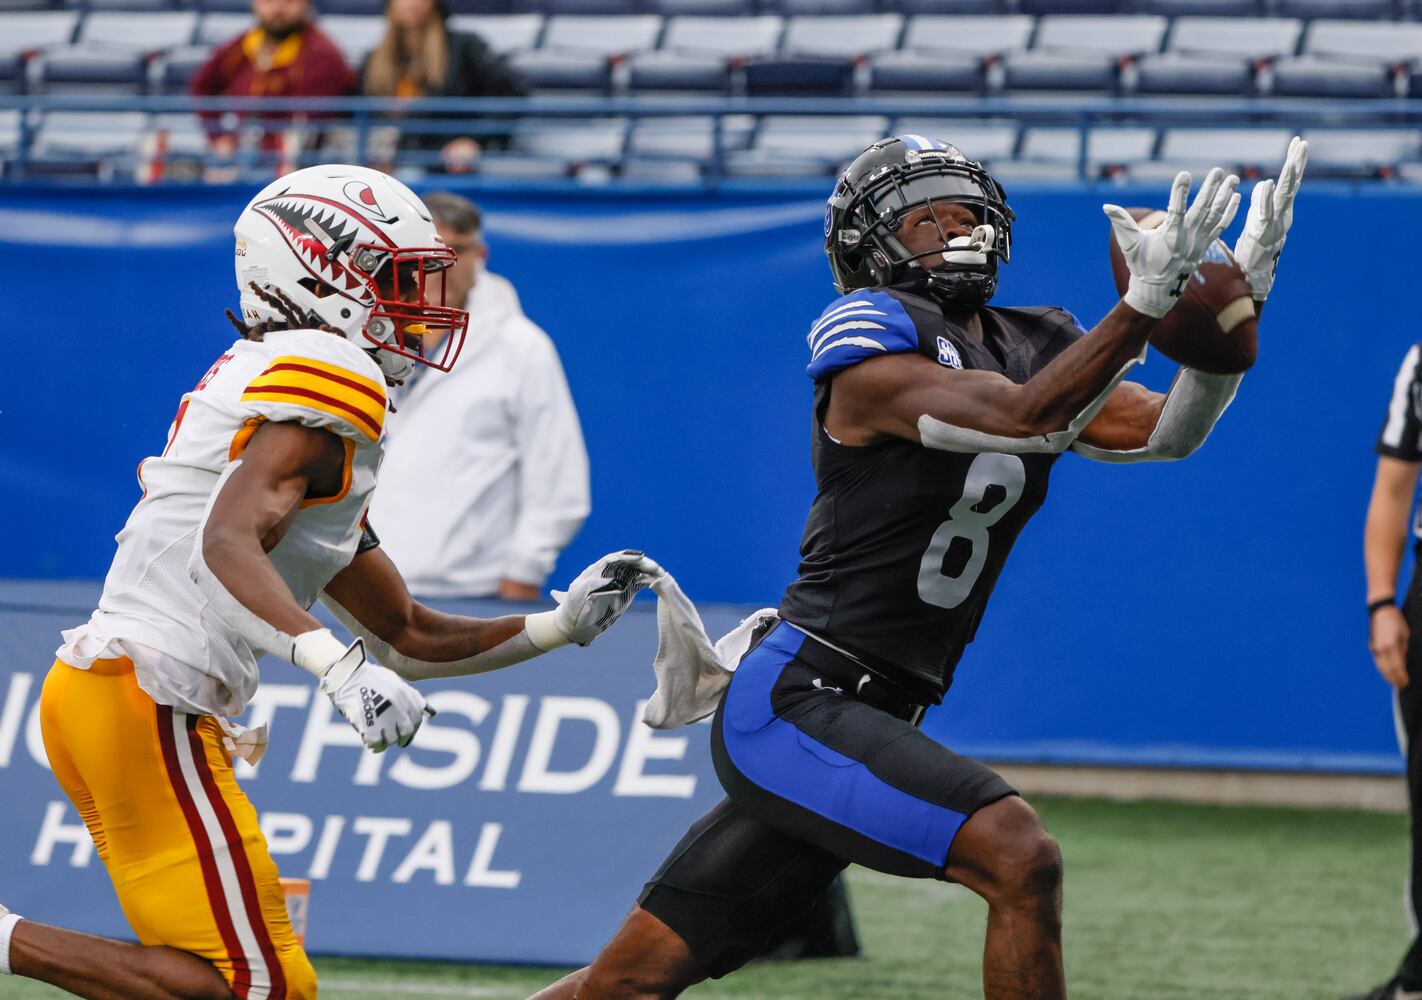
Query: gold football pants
pixel 180 840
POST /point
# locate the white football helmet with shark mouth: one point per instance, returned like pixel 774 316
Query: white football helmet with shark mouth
pixel 357 251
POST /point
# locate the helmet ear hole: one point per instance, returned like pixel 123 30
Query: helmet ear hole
pixel 317 288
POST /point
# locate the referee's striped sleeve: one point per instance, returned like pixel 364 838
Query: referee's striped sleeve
pixel 1401 435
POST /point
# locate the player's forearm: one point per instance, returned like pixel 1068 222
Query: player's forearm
pixel 436 637
pixel 238 562
pixel 1076 378
pixel 1384 543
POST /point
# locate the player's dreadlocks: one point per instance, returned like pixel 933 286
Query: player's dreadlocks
pixel 292 317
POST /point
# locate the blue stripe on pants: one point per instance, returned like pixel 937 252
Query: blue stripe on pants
pixel 789 764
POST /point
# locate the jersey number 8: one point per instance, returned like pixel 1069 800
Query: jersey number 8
pixel 967 522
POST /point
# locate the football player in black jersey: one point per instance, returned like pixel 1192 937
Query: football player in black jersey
pixel 937 420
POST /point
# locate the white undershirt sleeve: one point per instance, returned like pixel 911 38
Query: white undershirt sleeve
pixel 1193 406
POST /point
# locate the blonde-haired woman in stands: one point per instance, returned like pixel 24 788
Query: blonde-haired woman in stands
pixel 421 57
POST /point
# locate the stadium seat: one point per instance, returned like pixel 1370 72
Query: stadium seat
pixel 588 8
pixel 1200 8
pixel 501 32
pixel 30 30
pixel 638 170
pixel 1248 152
pixel 12 74
pixel 817 8
pixel 941 53
pixel 688 138
pixel 701 8
pixel 1107 36
pixel 1070 7
pixel 1369 10
pixel 522 167
pixel 805 145
pixel 955 8
pixel 88 70
pixel 1081 53
pixel 354 36
pixel 578 52
pixel 170 73
pixel 1108 150
pixel 84 142
pixel 220 27
pixel 1314 76
pixel 25 33
pixel 984 141
pixel 224 6
pixel 139 33
pixel 352 8
pixel 846 37
pixel 1013 174
pixel 1360 153
pixel 819 55
pixel 1214 55
pixel 698 53
pixel 573 144
pixel 481 6
pixel 125 6
pixel 9 132
pixel 1350 59
pixel 1375 42
pixel 1246 37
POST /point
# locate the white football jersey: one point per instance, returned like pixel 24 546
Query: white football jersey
pixel 185 654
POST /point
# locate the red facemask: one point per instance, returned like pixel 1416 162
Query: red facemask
pixel 410 317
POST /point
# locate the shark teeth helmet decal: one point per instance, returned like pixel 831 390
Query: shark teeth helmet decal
pixel 356 251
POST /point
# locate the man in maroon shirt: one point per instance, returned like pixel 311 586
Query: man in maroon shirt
pixel 283 55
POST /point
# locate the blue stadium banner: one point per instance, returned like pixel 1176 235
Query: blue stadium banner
pixel 519 827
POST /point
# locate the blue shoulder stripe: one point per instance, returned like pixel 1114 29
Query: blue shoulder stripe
pixel 860 325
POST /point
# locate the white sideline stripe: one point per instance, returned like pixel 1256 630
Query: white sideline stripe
pixel 217 847
pixel 1397 407
pixel 817 335
pixel 838 311
pixel 414 989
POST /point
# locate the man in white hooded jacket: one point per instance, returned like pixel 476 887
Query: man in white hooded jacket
pixel 499 435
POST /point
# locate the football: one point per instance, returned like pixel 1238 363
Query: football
pixel 1213 328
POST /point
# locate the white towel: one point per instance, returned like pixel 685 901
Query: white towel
pixel 243 743
pixel 692 674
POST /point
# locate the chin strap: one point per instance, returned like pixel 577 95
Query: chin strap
pixel 1193 406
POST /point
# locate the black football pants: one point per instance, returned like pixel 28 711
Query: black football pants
pixel 1409 702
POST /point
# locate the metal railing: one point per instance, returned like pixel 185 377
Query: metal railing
pixel 280 133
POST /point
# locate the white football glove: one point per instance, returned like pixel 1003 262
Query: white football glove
pixel 384 709
pixel 1271 213
pixel 593 601
pixel 1161 260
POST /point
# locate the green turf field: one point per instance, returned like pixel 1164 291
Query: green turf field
pixel 1163 902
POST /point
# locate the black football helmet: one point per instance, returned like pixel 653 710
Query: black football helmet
pixel 878 189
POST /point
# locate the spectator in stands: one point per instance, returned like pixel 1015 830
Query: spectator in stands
pixel 485 479
pixel 1395 630
pixel 420 57
pixel 283 55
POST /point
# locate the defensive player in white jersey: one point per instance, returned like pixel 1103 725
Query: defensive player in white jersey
pixel 254 510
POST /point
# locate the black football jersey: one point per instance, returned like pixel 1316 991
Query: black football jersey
pixel 904 543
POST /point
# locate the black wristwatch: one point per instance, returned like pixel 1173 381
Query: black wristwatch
pixel 1375 606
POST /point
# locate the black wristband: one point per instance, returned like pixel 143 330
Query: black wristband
pixel 1375 606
